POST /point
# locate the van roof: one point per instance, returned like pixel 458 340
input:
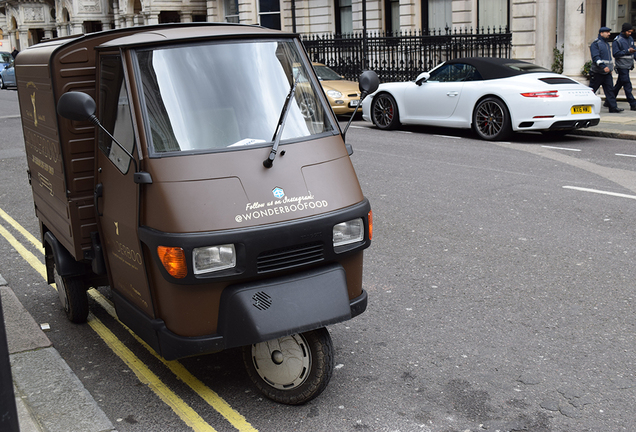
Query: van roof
pixel 158 35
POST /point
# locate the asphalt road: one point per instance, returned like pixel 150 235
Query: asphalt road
pixel 501 296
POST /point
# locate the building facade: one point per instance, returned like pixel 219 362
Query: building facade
pixel 537 26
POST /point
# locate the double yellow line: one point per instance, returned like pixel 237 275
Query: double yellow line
pixel 143 373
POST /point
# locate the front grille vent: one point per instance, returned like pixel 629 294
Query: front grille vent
pixel 280 259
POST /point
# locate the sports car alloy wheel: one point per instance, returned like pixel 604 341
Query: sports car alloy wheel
pixel 385 112
pixel 491 119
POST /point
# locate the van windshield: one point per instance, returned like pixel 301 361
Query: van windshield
pixel 216 96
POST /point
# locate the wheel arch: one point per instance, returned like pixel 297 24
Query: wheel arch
pixel 486 96
pixel 57 254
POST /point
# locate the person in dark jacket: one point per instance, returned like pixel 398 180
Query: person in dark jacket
pixel 602 67
pixel 623 50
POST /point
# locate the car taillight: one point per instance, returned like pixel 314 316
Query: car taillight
pixel 542 94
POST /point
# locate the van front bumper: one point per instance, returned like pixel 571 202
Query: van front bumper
pixel 255 312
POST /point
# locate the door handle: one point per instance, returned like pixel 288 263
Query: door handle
pixel 99 191
pixel 452 93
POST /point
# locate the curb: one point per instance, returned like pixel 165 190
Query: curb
pixel 49 396
pixel 604 133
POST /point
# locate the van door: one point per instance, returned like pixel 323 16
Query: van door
pixel 116 193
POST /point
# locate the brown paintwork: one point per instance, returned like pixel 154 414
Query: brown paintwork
pixel 199 193
pixel 221 191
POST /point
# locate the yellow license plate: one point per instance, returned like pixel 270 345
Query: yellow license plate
pixel 581 109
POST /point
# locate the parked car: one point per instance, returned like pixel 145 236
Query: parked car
pixel 343 95
pixel 5 59
pixel 492 96
pixel 7 76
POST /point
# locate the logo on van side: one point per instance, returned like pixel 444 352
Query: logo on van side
pixel 278 192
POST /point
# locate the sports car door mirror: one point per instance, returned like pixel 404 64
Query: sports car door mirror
pixel 423 77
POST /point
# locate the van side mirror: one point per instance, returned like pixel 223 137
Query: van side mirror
pixel 76 106
pixel 79 106
pixel 368 82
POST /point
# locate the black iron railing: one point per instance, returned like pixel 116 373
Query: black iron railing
pixel 401 57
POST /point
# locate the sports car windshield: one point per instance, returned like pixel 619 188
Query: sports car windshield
pixel 216 96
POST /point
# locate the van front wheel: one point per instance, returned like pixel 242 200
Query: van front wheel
pixel 72 296
pixel 292 369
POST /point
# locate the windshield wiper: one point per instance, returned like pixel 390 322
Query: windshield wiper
pixel 267 163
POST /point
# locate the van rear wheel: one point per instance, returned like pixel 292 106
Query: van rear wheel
pixel 72 296
pixel 292 369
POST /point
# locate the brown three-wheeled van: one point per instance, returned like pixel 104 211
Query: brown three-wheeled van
pixel 199 172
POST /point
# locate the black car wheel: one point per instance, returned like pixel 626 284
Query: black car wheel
pixel 384 112
pixel 491 119
pixel 292 369
pixel 73 297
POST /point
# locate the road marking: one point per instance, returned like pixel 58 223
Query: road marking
pixel 184 411
pixel 210 396
pixel 447 136
pixel 625 155
pixel 21 230
pixel 560 148
pixel 26 254
pixel 146 376
pixel 620 195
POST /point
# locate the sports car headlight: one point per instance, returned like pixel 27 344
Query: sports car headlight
pixel 348 232
pixel 334 93
pixel 213 258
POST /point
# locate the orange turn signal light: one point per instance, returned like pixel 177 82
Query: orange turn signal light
pixel 173 259
pixel 370 216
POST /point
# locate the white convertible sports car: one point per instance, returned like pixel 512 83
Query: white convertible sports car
pixel 493 96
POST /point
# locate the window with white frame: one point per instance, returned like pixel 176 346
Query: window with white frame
pixel 492 14
pixel 269 13
pixel 440 15
pixel 344 17
pixel 392 15
pixel 231 11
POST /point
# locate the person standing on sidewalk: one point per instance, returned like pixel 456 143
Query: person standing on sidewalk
pixel 623 50
pixel 602 68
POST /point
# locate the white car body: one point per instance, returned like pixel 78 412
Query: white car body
pixel 545 107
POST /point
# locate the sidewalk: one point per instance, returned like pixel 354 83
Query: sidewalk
pixel 613 125
pixel 49 396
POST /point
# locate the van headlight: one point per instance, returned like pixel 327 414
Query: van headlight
pixel 348 232
pixel 213 258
